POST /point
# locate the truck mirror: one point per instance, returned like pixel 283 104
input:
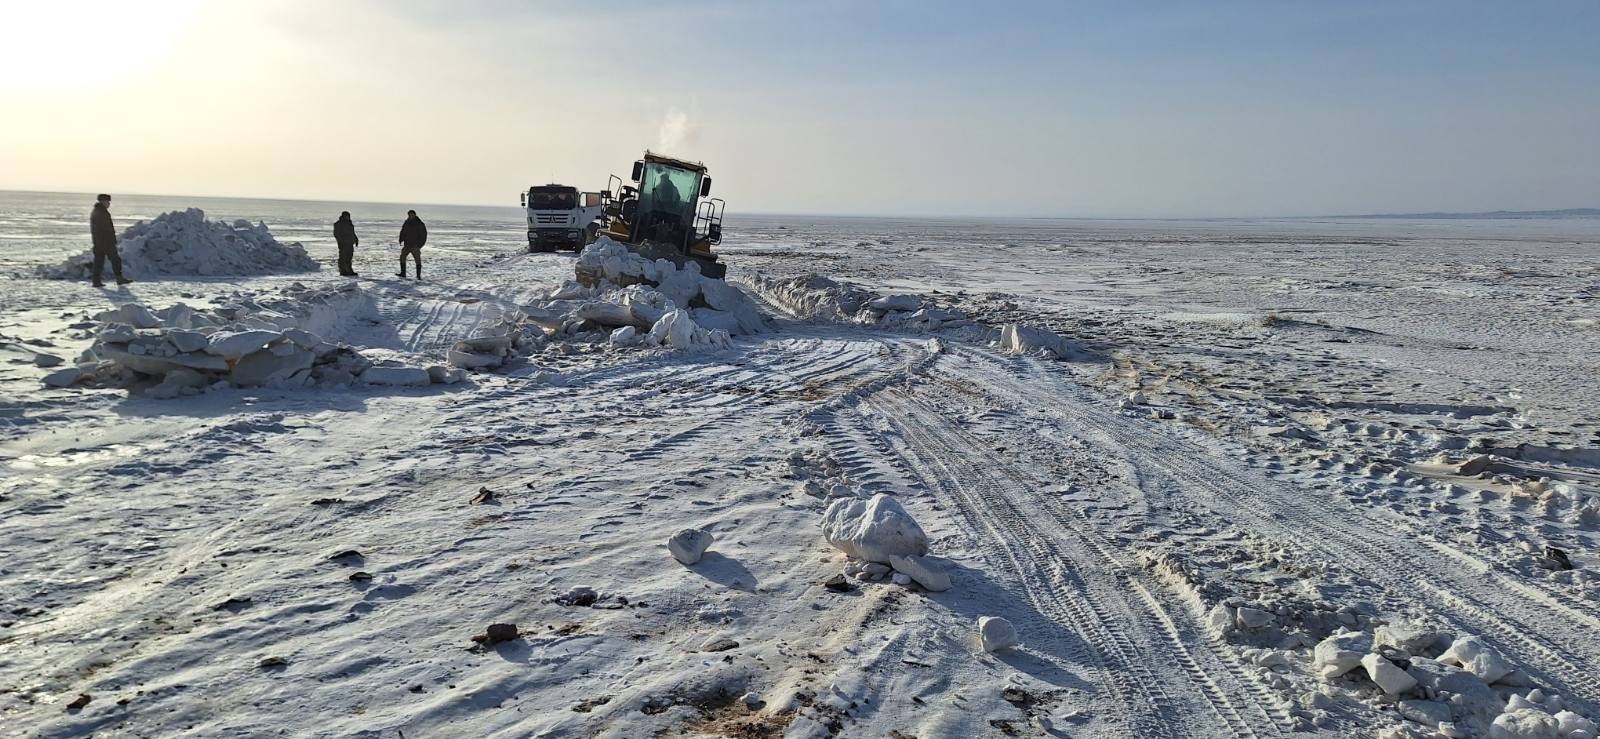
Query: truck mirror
pixel 638 170
pixel 524 199
pixel 705 187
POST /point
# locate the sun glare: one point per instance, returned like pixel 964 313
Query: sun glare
pixel 64 47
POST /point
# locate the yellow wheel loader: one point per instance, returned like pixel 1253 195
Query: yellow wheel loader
pixel 666 213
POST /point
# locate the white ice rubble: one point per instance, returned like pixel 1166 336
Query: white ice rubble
pixel 996 633
pixel 248 341
pixel 1467 689
pixel 187 243
pixel 633 302
pixel 819 298
pixel 873 530
pixel 689 545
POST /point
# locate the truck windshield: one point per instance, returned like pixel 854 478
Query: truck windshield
pixel 552 199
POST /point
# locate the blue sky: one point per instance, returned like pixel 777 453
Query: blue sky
pixel 1049 108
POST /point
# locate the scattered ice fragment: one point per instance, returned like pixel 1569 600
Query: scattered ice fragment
pixel 996 633
pixel 688 545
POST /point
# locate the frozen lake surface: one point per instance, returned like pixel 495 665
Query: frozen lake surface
pixel 1267 433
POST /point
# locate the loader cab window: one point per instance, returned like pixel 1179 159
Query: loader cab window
pixel 666 202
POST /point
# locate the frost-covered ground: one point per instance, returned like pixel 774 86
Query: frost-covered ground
pixel 1269 433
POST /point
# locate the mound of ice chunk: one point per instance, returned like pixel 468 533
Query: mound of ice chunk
pixel 1568 723
pixel 1340 653
pixel 235 344
pixel 1388 676
pixel 995 633
pixel 670 287
pixel 254 340
pixel 1413 638
pixel 266 367
pixel 689 545
pixel 187 243
pixel 1524 723
pixel 397 376
pixel 888 303
pixel 812 296
pixel 925 571
pixel 873 530
pixel 63 377
pixel 677 330
pixel 1019 339
pixel 1471 654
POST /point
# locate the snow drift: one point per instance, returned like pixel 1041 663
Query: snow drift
pixel 187 243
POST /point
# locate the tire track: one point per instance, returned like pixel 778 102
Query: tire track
pixel 1061 593
pixel 1545 637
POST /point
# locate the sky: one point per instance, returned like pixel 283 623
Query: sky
pixel 1056 108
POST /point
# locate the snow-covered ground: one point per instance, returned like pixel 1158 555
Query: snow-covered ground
pixel 1264 435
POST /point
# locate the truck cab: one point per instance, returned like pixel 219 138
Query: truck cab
pixel 560 217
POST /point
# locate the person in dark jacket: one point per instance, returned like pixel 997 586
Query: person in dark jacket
pixel 344 233
pixel 104 236
pixel 413 234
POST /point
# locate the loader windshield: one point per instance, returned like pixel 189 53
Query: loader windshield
pixel 666 202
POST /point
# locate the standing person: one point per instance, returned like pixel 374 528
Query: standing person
pixel 104 236
pixel 413 234
pixel 344 232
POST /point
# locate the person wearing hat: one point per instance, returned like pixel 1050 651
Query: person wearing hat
pixel 104 236
pixel 344 233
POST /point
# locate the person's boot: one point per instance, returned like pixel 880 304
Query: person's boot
pixel 123 280
pixel 98 283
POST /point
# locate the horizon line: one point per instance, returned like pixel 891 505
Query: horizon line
pixel 959 216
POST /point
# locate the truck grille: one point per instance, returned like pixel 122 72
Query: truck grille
pixel 559 219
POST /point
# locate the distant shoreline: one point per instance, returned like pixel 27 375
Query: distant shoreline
pixel 1486 215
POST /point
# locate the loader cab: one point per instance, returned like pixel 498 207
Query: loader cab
pixel 666 211
pixel 667 197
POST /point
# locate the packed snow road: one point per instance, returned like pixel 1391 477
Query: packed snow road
pixel 316 561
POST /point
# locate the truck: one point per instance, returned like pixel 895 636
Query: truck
pixel 561 217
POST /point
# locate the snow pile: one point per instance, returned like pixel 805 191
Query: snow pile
pixel 185 243
pixel 629 301
pixel 819 298
pixel 250 342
